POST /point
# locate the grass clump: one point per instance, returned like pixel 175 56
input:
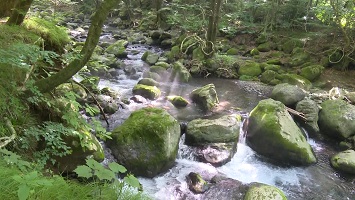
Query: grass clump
pixel 17 34
pixel 55 37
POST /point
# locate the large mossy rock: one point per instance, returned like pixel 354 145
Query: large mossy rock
pixel 150 57
pixel 118 49
pixel 250 68
pixel 268 76
pixel 289 45
pixel 312 72
pixel 146 91
pixel 337 119
pixel 221 130
pixel 264 192
pixel 147 142
pixel 344 161
pixel 273 133
pixel 205 97
pixel 287 94
pixel 178 101
pixel 148 81
pixel 310 110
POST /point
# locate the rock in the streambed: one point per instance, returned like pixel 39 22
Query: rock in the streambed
pixel 215 140
pixel 146 91
pixel 310 110
pixel 287 94
pixel 295 79
pixel 250 68
pixel 337 119
pixel 180 73
pixel 273 133
pixel 148 81
pixel 147 142
pixel 205 97
pixel 264 192
pixel 221 130
pixel 225 189
pixel 344 161
pixel 118 49
pixel 312 72
pixel 178 101
pixel 351 97
pixel 196 183
pixel 150 57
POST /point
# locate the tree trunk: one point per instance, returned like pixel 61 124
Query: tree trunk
pixel 212 26
pixel 19 12
pixel 48 84
pixel 7 7
pixel 158 6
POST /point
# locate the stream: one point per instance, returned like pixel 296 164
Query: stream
pixel 317 181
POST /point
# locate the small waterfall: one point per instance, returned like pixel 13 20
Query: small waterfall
pixel 185 152
pixel 243 130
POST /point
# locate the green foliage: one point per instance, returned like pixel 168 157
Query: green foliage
pixel 97 172
pixel 16 34
pixel 50 136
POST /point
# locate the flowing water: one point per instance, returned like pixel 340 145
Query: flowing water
pixel 318 181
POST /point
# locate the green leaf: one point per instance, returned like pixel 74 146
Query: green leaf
pixel 117 168
pixel 132 181
pixel 93 164
pixel 23 192
pixel 105 174
pixel 83 171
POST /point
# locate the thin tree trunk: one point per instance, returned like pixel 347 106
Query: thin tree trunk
pixel 48 84
pixel 19 12
pixel 212 26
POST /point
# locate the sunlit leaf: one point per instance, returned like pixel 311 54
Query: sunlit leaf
pixel 117 168
pixel 132 181
pixel 83 171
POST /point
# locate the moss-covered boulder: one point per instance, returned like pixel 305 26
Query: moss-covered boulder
pixel 264 192
pixel 178 101
pixel 148 81
pixel 310 110
pixel 295 79
pixel 250 68
pixel 152 58
pixel 205 97
pixel 215 141
pixel 221 130
pixel 298 58
pixel 273 133
pixel 92 148
pixel 254 52
pixel 344 161
pixel 196 183
pixel 146 91
pixel 118 49
pixel 232 51
pixel 225 189
pixel 272 67
pixel 197 54
pixel 147 142
pixel 265 47
pixel 287 94
pixel 267 76
pixel 337 119
pixel 289 45
pixel 312 72
pixel 180 73
pixel 174 54
pixel 158 69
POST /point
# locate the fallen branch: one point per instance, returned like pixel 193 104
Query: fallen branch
pixel 294 112
pixel 96 102
pixel 6 140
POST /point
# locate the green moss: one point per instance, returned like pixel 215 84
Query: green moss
pixel 180 73
pixel 17 34
pixel 148 81
pixel 147 142
pixel 150 92
pixel 289 45
pixel 158 69
pixel 265 47
pixel 178 101
pixel 268 76
pixel 344 161
pixel 295 79
pixel 254 52
pixel 250 68
pixel 232 51
pixel 55 37
pixel 312 72
pixel 264 192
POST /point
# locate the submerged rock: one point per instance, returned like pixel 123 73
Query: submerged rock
pixel 264 192
pixel 344 161
pixel 205 97
pixel 273 133
pixel 147 142
pixel 287 94
pixel 337 118
pixel 149 92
